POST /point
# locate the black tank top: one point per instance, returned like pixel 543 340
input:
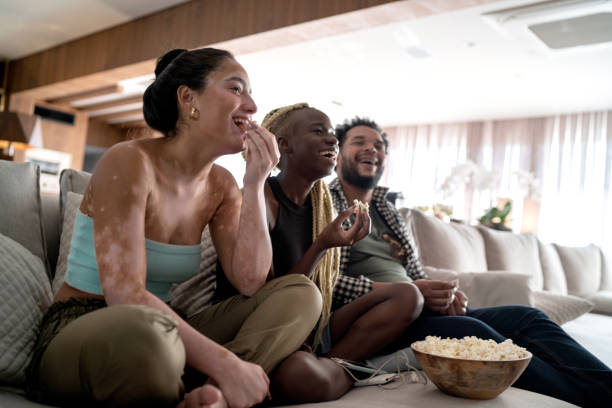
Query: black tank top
pixel 291 237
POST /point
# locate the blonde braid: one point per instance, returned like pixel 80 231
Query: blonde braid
pixel 326 272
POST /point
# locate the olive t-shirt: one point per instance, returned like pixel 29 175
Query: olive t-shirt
pixel 371 257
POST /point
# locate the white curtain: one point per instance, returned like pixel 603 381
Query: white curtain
pixel 576 196
pixel 569 155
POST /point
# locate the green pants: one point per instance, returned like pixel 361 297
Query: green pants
pixel 132 356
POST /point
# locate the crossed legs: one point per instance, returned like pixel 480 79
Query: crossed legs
pixel 358 330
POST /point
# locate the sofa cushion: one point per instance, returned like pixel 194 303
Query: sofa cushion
pixel 582 267
pixel 51 225
pixel 193 295
pixel 606 272
pixel 492 288
pixel 26 294
pixel 20 217
pixel 602 301
pixel 552 270
pixel 511 252
pixel 72 180
pixel 561 308
pixel 71 206
pixel 454 246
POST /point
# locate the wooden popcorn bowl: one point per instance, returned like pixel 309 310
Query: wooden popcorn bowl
pixel 475 379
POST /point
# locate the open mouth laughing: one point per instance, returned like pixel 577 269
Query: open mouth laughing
pixel 369 161
pixel 243 123
pixel 330 153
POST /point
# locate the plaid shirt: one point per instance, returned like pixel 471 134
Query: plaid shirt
pixel 349 288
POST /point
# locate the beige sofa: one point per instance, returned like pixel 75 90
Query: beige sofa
pixel 573 285
pixel 30 231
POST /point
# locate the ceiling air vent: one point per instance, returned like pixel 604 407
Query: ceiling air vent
pixel 558 24
pixel 54 114
pixel 573 32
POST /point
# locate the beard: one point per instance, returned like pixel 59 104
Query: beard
pixel 352 176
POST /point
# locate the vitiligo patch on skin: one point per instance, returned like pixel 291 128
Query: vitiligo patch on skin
pixel 115 254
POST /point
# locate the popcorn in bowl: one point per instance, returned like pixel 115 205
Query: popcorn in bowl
pixel 471 367
pixel 471 348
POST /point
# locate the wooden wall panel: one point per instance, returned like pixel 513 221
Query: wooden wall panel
pixel 144 42
pixel 188 25
pixel 103 135
pixel 66 138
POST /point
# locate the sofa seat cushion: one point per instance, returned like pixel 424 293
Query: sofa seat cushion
pixel 26 294
pixel 582 267
pixel 417 395
pixel 561 308
pixel 552 270
pixel 517 253
pixel 454 246
pixel 594 332
pixel 602 301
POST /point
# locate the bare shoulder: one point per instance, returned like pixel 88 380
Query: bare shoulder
pixel 124 156
pixel 223 181
pixel 124 169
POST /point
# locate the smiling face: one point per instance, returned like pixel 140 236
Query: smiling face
pixel 362 157
pixel 308 143
pixel 225 107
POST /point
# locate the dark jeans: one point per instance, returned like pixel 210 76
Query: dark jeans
pixel 560 367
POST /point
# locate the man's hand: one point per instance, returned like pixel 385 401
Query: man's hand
pixel 458 306
pixel 397 251
pixel 439 295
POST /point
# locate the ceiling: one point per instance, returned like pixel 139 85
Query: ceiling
pixel 41 24
pixel 455 66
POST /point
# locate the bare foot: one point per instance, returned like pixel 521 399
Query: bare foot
pixel 206 396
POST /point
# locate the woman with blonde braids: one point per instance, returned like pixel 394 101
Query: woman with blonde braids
pixel 305 240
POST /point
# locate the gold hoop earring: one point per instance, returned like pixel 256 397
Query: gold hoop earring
pixel 194 114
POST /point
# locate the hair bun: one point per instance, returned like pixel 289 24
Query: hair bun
pixel 166 59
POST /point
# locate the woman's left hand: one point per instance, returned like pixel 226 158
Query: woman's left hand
pixel 262 156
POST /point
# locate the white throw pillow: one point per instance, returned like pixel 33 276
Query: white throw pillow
pixel 71 206
pixel 561 308
pixel 491 288
pixel 26 294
